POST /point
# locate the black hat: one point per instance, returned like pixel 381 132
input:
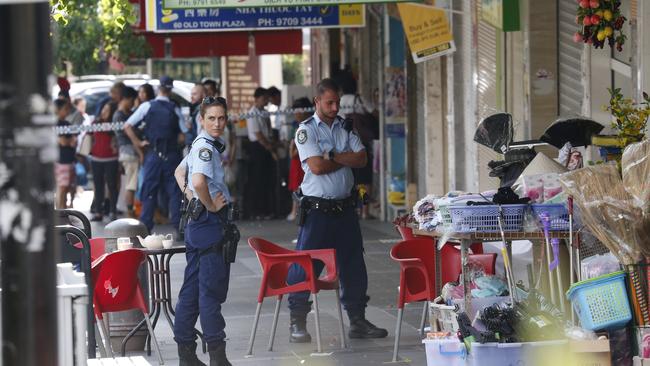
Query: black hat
pixel 166 82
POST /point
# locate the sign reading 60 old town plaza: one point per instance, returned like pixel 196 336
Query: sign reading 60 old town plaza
pixel 282 17
pixel 194 4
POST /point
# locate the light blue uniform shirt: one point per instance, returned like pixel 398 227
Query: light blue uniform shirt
pixel 313 138
pixel 205 159
pixel 142 110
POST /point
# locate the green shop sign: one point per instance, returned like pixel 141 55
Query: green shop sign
pixel 502 14
pixel 201 4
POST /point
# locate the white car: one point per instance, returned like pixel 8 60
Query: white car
pixel 96 87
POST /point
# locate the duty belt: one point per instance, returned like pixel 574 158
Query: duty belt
pixel 329 206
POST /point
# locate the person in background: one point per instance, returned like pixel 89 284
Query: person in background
pixel 211 88
pixel 114 95
pixel 193 125
pixel 145 94
pixel 104 163
pixel 261 175
pixel 296 173
pixel 130 157
pixel 64 168
pixel 361 112
pixel 278 120
pixel 163 124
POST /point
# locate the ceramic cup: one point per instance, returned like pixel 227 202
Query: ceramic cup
pixel 167 243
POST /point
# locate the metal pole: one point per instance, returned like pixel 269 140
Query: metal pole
pixel 27 150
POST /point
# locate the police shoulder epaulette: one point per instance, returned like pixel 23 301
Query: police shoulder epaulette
pixel 307 120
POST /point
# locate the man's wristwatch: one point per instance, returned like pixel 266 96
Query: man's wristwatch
pixel 330 155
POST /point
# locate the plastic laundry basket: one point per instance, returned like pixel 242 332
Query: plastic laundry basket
pixel 558 215
pixel 467 219
pixel 601 302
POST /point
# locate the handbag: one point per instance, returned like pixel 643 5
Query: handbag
pixel 364 122
pixel 86 145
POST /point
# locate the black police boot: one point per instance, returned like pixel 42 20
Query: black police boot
pixel 187 355
pixel 362 328
pixel 298 330
pixel 218 354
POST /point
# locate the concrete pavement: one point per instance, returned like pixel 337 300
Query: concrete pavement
pixel 239 309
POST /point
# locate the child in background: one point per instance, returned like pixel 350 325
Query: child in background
pixel 64 168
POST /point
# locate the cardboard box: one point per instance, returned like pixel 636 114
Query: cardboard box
pixel 590 353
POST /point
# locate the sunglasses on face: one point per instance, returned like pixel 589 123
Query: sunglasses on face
pixel 213 100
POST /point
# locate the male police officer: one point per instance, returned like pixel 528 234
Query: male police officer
pixel 163 124
pixel 328 150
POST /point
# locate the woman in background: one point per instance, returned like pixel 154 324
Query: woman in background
pixel 105 166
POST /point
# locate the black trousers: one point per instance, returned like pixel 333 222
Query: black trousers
pixel 260 187
pixel 105 173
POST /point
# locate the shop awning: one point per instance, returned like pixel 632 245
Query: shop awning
pixel 184 45
pixel 278 42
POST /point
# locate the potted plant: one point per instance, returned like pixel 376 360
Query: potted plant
pixel 630 120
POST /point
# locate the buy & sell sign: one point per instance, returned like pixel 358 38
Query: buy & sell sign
pixel 427 31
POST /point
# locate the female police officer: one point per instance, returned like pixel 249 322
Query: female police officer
pixel 205 285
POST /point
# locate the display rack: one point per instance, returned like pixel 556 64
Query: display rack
pixel 466 239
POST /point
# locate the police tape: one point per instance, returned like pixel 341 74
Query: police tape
pixel 118 126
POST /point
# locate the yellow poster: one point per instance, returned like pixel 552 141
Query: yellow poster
pixel 427 31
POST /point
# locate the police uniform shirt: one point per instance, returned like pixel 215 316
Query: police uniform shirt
pixel 205 159
pixel 143 109
pixel 313 138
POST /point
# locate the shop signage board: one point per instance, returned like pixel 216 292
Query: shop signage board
pixel 199 4
pixel 427 31
pixel 502 14
pixel 214 19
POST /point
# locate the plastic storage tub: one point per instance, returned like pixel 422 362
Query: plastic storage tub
pixel 497 354
pixel 468 219
pixel 546 353
pixel 447 352
pixel 601 302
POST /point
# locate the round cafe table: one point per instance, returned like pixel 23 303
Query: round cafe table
pixel 160 292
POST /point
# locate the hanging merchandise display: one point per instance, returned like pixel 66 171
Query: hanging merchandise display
pixel 601 21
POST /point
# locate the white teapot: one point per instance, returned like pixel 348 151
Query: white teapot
pixel 153 241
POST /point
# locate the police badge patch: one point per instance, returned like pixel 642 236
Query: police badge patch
pixel 205 154
pixel 302 136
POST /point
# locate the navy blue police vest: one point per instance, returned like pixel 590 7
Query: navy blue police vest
pixel 161 127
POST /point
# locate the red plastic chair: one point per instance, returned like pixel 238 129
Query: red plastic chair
pixel 452 267
pixel 417 259
pixel 116 288
pixel 97 248
pixel 275 261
